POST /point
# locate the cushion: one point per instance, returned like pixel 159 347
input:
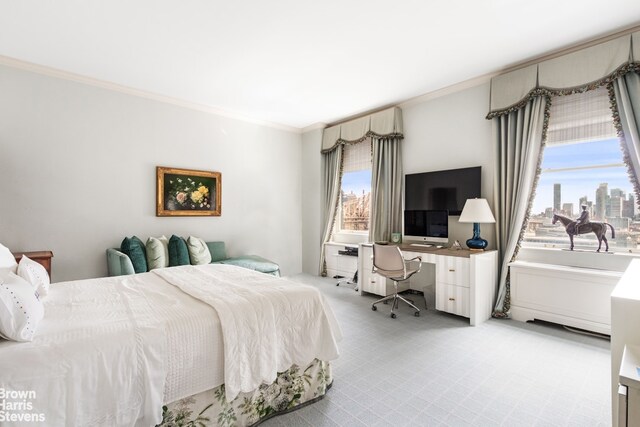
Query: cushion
pixel 178 252
pixel 20 308
pixel 135 250
pixel 7 260
pixel 34 273
pixel 198 251
pixel 254 262
pixel 157 252
pixel 218 252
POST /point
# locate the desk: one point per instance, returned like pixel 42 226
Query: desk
pixel 337 264
pixel 465 281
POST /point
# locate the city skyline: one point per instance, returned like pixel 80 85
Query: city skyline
pixel 561 165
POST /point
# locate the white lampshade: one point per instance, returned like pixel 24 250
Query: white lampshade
pixel 476 210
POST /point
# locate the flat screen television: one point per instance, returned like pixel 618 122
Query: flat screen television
pixel 426 226
pixel 442 190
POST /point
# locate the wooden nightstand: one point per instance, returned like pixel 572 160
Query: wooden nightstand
pixel 42 257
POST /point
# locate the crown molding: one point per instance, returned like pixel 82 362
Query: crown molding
pixel 485 78
pixel 313 127
pixel 104 84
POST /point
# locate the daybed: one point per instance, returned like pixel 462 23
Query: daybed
pixel 119 264
pixel 113 351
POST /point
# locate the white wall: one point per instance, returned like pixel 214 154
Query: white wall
pixel 311 177
pixel 451 132
pixel 77 174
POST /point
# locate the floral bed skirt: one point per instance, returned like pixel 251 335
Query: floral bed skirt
pixel 292 389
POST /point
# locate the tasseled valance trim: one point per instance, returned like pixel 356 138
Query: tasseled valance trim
pixel 548 92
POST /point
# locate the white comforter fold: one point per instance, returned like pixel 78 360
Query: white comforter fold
pixel 268 323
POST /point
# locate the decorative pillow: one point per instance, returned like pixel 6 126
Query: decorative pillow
pixel 20 308
pixel 7 260
pixel 178 252
pixel 135 250
pixel 157 252
pixel 198 251
pixel 35 274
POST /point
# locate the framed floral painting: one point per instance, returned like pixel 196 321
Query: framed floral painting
pixel 186 192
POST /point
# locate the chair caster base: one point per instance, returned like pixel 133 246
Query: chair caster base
pixel 417 314
pixel 393 315
pixel 374 308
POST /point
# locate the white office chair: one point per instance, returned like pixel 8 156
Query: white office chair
pixel 389 262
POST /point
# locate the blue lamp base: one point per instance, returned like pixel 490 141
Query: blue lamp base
pixel 477 243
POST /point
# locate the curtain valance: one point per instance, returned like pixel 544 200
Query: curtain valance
pixel 575 72
pixel 385 123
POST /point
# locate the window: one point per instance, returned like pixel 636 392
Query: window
pixel 583 165
pixel 355 193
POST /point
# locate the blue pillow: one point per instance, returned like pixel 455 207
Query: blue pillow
pixel 135 250
pixel 178 251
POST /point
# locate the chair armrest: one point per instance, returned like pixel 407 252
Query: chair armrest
pixel 416 258
pixel 118 264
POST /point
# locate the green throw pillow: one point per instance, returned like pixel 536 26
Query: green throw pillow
pixel 198 251
pixel 178 252
pixel 157 252
pixel 134 249
pixel 217 250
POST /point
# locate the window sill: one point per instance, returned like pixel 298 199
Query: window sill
pixel 353 237
pixel 610 261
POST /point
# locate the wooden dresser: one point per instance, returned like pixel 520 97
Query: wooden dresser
pixel 41 257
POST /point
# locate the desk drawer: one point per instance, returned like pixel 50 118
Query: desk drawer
pixel 452 299
pixel 452 270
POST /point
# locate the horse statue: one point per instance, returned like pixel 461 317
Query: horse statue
pixel 599 228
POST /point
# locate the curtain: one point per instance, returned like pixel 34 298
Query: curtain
pixel 331 175
pixel 519 142
pixel 626 111
pixel 386 189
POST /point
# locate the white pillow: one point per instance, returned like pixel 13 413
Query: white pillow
pixel 36 274
pixel 7 260
pixel 157 252
pixel 199 252
pixel 20 309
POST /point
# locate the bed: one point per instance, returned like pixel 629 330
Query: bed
pixel 211 344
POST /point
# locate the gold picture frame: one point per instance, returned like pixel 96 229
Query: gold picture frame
pixel 188 192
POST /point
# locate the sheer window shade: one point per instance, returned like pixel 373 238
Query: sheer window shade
pixel 357 157
pixel 580 117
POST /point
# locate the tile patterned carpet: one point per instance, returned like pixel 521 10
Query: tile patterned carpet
pixel 436 370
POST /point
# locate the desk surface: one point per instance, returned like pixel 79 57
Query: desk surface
pixel 462 253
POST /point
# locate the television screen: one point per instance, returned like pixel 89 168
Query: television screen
pixel 442 190
pixel 430 226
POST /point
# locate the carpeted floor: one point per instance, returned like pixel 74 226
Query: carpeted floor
pixel 436 370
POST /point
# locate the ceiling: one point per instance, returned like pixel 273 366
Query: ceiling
pixel 297 62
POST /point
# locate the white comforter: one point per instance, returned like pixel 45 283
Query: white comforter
pixel 268 324
pixel 98 358
pixel 111 351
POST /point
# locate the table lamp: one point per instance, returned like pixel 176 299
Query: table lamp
pixel 476 211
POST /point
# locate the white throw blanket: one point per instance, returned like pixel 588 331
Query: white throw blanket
pixel 268 323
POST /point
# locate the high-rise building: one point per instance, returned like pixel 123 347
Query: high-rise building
pixel 557 197
pixel 629 207
pixel 616 206
pixel 567 209
pixel 602 194
pixel 617 192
